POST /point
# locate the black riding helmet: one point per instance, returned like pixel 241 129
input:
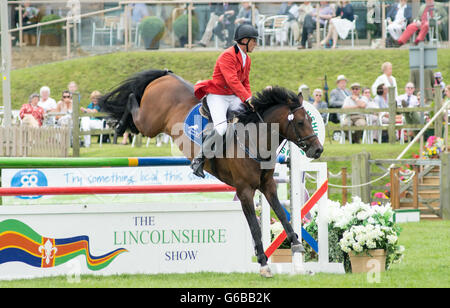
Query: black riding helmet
pixel 245 30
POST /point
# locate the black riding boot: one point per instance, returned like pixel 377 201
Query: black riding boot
pixel 199 160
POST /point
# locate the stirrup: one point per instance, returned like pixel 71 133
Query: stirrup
pixel 197 167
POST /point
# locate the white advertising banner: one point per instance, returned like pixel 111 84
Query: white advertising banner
pixel 103 239
pixel 73 177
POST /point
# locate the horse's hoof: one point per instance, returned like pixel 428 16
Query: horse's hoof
pixel 298 248
pixel 265 271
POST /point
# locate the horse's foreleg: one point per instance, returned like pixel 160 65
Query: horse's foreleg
pixel 248 207
pixel 269 189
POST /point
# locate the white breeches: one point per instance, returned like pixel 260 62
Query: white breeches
pixel 218 106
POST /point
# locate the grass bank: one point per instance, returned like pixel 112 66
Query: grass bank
pixel 284 68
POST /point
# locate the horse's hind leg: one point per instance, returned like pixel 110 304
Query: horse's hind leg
pixel 269 189
pixel 246 197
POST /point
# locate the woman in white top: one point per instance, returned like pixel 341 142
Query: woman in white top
pixel 387 79
pixel 46 102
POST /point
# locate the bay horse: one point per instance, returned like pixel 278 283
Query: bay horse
pixel 155 101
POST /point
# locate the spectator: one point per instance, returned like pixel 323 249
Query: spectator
pixel 139 11
pixel 381 101
pixel 291 10
pixel 245 15
pixel 65 106
pixel 72 87
pixel 447 97
pixel 213 18
pixel 319 103
pixel 409 100
pixel 340 25
pixel 227 13
pixel 428 10
pixel 304 9
pixel 88 123
pixel 439 81
pixel 31 114
pixel 29 17
pixel 325 13
pixel 370 103
pixel 398 16
pixel 46 102
pixel 300 91
pixel 386 78
pixel 355 102
pixel 338 96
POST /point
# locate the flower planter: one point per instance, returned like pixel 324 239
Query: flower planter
pixel 374 261
pixel 282 256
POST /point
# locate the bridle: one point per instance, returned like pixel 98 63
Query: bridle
pixel 301 142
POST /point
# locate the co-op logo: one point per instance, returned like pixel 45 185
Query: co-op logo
pixel 29 178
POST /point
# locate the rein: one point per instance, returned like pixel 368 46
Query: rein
pixel 300 141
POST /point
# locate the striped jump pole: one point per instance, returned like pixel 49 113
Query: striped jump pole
pixel 142 189
pixel 95 162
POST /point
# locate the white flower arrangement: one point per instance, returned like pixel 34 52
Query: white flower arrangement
pixel 359 227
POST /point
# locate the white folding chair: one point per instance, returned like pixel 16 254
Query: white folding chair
pixel 110 23
pixel 272 26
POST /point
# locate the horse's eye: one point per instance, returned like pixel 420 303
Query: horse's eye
pixel 300 123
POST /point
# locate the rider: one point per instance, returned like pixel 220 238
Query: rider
pixel 229 87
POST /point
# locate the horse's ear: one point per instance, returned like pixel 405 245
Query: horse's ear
pixel 300 98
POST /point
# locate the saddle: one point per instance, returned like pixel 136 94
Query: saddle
pixel 204 112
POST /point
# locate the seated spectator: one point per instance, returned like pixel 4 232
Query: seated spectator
pixel 72 87
pixel 224 29
pixel 409 100
pixel 213 18
pixel 319 103
pixel 304 9
pixel 381 101
pixel 398 16
pixel 447 97
pixel 325 13
pixel 46 102
pixel 386 78
pixel 291 10
pixel 355 101
pixel 370 103
pixel 245 15
pixel 439 81
pixel 88 123
pixel 421 24
pixel 31 114
pixel 338 96
pixel 65 106
pixel 340 25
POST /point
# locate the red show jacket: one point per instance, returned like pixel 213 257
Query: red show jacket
pixel 229 76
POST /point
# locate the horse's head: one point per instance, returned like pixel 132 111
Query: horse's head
pixel 297 127
pixel 279 105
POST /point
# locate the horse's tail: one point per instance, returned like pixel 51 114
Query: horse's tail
pixel 116 102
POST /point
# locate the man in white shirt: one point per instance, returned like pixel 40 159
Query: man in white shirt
pixel 409 100
pixel 46 102
pixel 355 101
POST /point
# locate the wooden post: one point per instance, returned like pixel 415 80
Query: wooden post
pixel 416 186
pixel 20 8
pixel 76 127
pixel 190 7
pixel 392 112
pixel 445 185
pixel 360 175
pixel 344 183
pixel 395 188
pixel 437 107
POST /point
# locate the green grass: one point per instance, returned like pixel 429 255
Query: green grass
pixel 426 264
pixel 289 69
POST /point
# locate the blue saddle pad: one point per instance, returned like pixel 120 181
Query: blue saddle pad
pixel 194 124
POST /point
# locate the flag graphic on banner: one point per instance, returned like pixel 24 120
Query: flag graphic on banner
pixel 19 242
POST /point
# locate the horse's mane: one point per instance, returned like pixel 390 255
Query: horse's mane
pixel 268 98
